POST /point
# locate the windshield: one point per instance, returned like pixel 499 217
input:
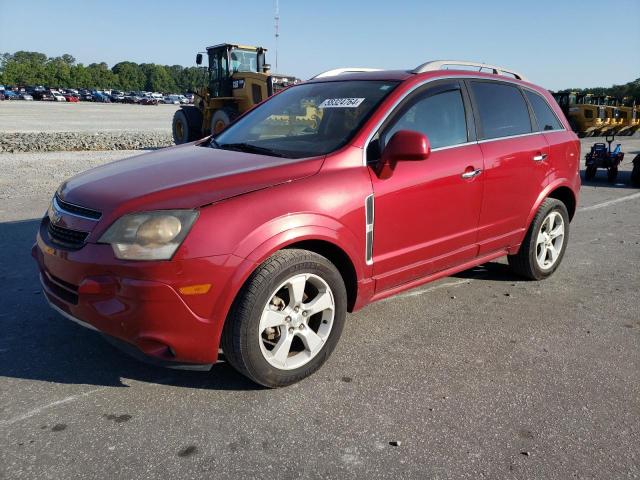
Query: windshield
pixel 306 120
pixel 244 60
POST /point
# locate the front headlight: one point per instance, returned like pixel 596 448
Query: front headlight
pixel 149 235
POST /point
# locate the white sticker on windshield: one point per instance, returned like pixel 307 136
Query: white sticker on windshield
pixel 341 103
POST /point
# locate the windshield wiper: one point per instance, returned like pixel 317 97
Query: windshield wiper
pixel 249 148
pixel 213 143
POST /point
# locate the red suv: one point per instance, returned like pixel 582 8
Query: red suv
pixel 339 191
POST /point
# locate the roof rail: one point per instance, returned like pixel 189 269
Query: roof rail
pixel 340 71
pixel 440 64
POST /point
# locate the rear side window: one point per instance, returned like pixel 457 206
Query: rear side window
pixel 544 115
pixel 502 110
pixel 441 117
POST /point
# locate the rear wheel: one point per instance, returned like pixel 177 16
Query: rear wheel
pixel 590 172
pixel 545 243
pixel 287 319
pixel 612 174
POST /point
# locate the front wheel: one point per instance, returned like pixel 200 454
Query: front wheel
pixel 612 174
pixel 545 243
pixel 590 172
pixel 221 119
pixel 287 318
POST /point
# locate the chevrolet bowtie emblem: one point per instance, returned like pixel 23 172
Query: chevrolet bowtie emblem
pixel 54 214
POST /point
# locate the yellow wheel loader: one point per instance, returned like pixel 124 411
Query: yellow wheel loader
pixel 236 78
pixel 582 111
pixel 628 116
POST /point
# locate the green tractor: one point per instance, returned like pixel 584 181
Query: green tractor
pixel 236 79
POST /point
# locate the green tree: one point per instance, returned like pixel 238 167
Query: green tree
pixel 159 79
pixel 130 76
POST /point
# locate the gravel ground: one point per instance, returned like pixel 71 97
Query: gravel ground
pixel 54 126
pixel 480 375
pixel 88 117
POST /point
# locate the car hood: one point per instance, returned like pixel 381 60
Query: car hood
pixel 184 176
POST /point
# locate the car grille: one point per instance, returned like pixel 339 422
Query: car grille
pixel 66 237
pixel 78 210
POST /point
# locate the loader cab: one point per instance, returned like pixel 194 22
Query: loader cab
pixel 583 112
pixel 227 61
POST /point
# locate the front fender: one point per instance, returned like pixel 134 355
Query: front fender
pixel 287 230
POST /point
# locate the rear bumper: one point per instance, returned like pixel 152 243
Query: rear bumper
pixel 138 304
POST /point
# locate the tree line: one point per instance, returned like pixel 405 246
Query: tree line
pixel 631 89
pixel 33 68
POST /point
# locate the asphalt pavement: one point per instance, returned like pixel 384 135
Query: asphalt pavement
pixel 480 375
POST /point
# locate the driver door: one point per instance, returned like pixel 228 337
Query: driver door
pixel 427 212
pixel 219 71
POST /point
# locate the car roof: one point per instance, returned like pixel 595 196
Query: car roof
pixel 402 75
pixel 388 75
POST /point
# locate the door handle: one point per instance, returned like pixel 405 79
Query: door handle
pixel 472 173
pixel 539 157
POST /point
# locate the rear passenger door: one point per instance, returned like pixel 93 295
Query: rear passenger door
pixel 515 162
pixel 563 150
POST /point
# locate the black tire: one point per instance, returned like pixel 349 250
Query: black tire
pixel 186 125
pixel 221 119
pixel 612 174
pixel 241 335
pixel 590 172
pixel 524 262
pixel 635 173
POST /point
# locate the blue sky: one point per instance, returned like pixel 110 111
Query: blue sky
pixel 557 44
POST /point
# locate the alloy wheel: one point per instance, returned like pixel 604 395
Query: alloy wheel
pixel 296 321
pixel 550 240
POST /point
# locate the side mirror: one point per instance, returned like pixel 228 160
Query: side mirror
pixel 199 59
pixel 405 145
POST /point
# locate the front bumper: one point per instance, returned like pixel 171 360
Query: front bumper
pixel 139 303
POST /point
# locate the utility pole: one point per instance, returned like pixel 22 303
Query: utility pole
pixel 277 26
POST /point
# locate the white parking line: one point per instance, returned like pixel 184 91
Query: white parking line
pixel 36 411
pixel 435 287
pixel 610 202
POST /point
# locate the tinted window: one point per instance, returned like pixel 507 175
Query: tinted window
pixel 502 110
pixel 544 115
pixel 440 117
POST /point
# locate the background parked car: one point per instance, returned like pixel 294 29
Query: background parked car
pixel 101 97
pixel 70 97
pixel 148 101
pixel 57 96
pixel 42 95
pixel 132 97
pixel 11 95
pixel 1 95
pixel 86 95
pixel 171 99
pixel 25 96
pixel 117 96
